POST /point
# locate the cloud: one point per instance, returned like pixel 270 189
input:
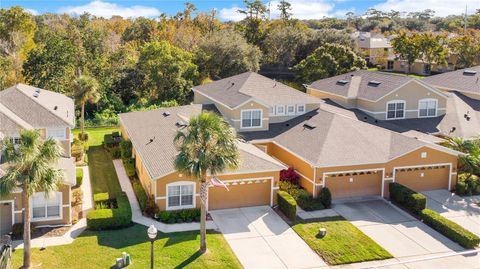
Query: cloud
pixel 32 11
pixel 301 9
pixel 107 10
pixel 441 7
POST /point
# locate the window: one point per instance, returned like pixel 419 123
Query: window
pixel 251 118
pixel 423 155
pixel 290 109
pixel 181 195
pixel 16 141
pixel 427 108
pixel 280 110
pixel 390 65
pixel 57 133
pixel 300 109
pixel 396 110
pixel 271 110
pixel 46 207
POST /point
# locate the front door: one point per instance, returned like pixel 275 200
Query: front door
pixel 5 217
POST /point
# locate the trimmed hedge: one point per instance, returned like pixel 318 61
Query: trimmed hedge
pixel 103 219
pixel 101 197
pixel 449 228
pixel 411 200
pixel 126 148
pixel 129 165
pixel 326 197
pixel 140 193
pixel 79 177
pixel 180 216
pixel 303 198
pixel 287 205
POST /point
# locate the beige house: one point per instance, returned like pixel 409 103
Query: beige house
pixel 374 47
pixel 465 81
pixel 381 95
pixel 26 107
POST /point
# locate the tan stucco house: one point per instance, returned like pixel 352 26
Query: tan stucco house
pixel 53 114
pixel 351 157
pixel 374 47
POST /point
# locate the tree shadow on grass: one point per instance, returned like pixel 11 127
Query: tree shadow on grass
pixel 190 259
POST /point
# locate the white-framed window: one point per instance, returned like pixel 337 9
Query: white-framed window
pixel 57 133
pixel 181 195
pixel 251 118
pixel 300 109
pixel 46 207
pixel 427 108
pixel 290 109
pixel 271 110
pixel 396 109
pixel 280 110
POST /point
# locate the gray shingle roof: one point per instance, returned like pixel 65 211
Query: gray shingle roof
pixel 38 107
pixel 236 90
pixel 337 140
pixel 457 80
pixel 364 89
pixel 158 156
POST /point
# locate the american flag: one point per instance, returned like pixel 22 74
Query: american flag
pixel 218 183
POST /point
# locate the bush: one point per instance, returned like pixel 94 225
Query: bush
pixel 287 205
pixel 79 177
pixel 179 216
pixel 108 140
pixel 77 196
pixel 303 198
pixel 83 137
pixel 78 150
pixel 151 207
pixel 411 200
pixel 126 148
pixel 129 167
pixel 289 175
pixel 449 228
pixel 467 185
pixel 17 230
pixel 116 153
pixel 326 197
pixel 101 197
pixel 140 193
pixel 112 218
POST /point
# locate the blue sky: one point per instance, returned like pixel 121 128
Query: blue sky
pixel 303 9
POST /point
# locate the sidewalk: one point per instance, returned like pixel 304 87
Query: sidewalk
pixel 137 212
pixel 87 203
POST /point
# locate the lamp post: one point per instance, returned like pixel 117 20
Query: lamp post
pixel 152 235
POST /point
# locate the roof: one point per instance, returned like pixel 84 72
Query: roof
pixel 152 134
pixel 362 84
pixel 458 80
pixel 37 107
pixel 338 140
pixel 372 40
pixel 236 90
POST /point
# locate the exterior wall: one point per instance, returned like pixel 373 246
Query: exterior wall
pixel 277 119
pixel 347 103
pixel 65 143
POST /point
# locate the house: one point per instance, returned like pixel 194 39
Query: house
pixel 250 101
pixel 253 183
pixel 465 81
pixel 53 115
pixel 374 47
pixel 420 67
pixel 381 95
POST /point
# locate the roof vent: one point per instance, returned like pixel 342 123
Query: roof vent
pixel 35 95
pixel 181 124
pixel 342 82
pixel 374 83
pixel 469 72
pixel 309 125
pixel 55 108
pixel 37 90
pixel 166 113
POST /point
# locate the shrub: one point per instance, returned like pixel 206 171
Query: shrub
pixel 129 167
pixel 467 185
pixel 77 196
pixel 449 228
pixel 151 207
pixel 112 218
pixel 83 137
pixel 140 193
pixel 287 205
pixel 79 177
pixel 116 153
pixel 411 200
pixel 289 175
pixel 126 148
pixel 108 140
pixel 303 198
pixel 17 230
pixel 78 151
pixel 100 197
pixel 326 197
pixel 179 216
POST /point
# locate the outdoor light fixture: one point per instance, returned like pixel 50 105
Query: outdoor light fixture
pixel 323 232
pixel 152 235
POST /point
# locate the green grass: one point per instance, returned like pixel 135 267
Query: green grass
pixel 95 135
pixel 79 176
pixel 373 69
pixel 99 250
pixel 344 243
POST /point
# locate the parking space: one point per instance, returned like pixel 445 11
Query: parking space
pixel 395 230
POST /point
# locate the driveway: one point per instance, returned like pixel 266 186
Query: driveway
pixel 396 231
pixel 261 239
pixel 462 210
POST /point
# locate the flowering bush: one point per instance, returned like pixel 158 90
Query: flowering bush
pixel 289 175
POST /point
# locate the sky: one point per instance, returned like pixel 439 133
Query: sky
pixel 227 10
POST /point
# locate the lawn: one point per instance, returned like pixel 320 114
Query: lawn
pixel 344 243
pixel 99 250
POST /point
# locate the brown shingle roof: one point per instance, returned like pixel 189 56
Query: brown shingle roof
pixel 236 90
pixel 458 80
pixel 158 155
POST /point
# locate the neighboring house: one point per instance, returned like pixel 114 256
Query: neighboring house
pixel 152 132
pixel 465 81
pixel 250 101
pixel 381 95
pixel 350 157
pixel 53 114
pixel 374 47
pixel 419 67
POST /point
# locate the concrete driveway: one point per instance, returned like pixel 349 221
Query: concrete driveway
pixel 462 210
pixel 261 239
pixel 396 231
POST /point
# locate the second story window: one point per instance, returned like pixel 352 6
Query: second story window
pixel 251 118
pixel 300 109
pixel 290 109
pixel 395 110
pixel 427 108
pixel 56 133
pixel 280 110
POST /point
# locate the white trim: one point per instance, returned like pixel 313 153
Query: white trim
pixel 418 81
pixel 314 180
pixel 290 113
pixel 271 191
pixel 396 102
pixel 61 206
pixel 181 183
pixel 304 109
pixel 426 165
pixel 278 113
pixel 428 100
pixel 251 119
pixel 12 204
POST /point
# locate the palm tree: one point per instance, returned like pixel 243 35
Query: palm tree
pixel 31 169
pixel 470 162
pixel 208 146
pixel 86 90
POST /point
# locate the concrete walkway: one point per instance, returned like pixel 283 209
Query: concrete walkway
pixel 137 215
pixel 87 202
pixel 261 239
pixel 316 214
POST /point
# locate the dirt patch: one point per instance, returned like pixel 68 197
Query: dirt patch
pixel 50 231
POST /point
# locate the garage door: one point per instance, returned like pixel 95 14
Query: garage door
pixel 240 194
pixel 5 217
pixel 431 178
pixel 355 185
